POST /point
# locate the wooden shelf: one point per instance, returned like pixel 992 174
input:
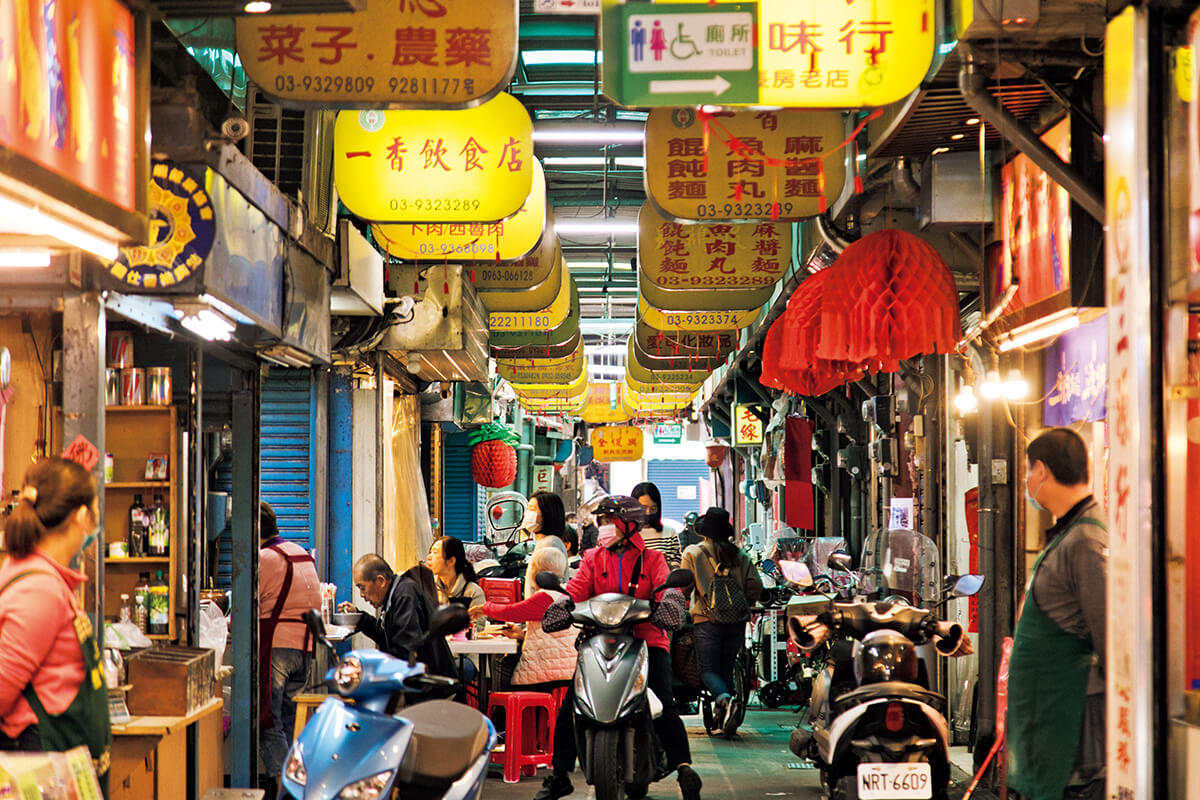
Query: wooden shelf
pixel 138 485
pixel 125 409
pixel 139 560
pixel 163 636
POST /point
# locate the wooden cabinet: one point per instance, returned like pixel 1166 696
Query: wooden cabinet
pixel 132 434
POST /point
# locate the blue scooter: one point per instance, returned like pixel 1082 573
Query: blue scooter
pixel 354 748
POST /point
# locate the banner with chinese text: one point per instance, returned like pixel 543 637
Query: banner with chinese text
pixel 474 165
pixel 402 54
pixel 733 165
pixel 1077 376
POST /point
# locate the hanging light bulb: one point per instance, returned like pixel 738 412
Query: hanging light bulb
pixel 965 400
pixel 992 387
pixel 1015 385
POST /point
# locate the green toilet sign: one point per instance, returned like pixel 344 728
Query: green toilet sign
pixel 668 433
pixel 659 54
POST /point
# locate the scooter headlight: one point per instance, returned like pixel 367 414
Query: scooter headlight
pixel 366 789
pixel 348 674
pixel 294 769
pixel 610 612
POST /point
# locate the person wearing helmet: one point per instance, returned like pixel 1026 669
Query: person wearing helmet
pixel 622 563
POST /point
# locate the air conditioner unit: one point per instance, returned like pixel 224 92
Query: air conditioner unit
pixel 446 338
pixel 294 149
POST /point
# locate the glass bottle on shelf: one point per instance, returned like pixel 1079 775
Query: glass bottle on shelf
pixel 137 528
pixel 158 528
pixel 126 609
pixel 141 603
pixel 159 606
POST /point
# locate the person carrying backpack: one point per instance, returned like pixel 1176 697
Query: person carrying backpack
pixel 727 583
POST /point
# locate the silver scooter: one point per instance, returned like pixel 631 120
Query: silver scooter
pixel 619 752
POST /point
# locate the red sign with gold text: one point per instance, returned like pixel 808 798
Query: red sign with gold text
pixel 1036 227
pixel 67 91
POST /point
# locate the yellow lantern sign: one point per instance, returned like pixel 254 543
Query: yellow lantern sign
pixel 725 256
pixel 510 330
pixel 531 270
pixel 677 370
pixel 547 390
pixel 786 164
pixel 684 343
pixel 560 346
pixel 747 428
pixel 543 319
pixel 554 405
pixel 474 165
pixel 617 444
pixel 853 54
pixel 660 387
pixel 391 55
pixel 509 239
pixel 604 404
pixel 709 300
pixel 531 298
pixel 680 320
pixel 542 370
pixel 644 403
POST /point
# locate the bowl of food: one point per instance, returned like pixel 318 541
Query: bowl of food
pixel 348 619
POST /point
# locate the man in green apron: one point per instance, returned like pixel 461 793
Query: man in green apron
pixel 1056 678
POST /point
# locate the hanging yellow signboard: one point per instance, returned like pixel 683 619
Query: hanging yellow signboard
pixel 561 346
pixel 509 331
pixel 569 405
pixel 544 319
pixel 542 370
pixel 474 165
pixel 660 387
pixel 604 404
pixel 747 428
pixel 675 370
pixel 471 241
pixel 748 255
pixel 676 320
pixel 531 298
pixel 787 164
pixel 684 343
pixel 655 401
pixel 549 390
pixel 531 270
pixel 707 300
pixel 852 54
pixel 419 54
pixel 617 444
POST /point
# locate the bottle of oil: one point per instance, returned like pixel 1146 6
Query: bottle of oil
pixel 141 603
pixel 158 527
pixel 137 528
pixel 160 606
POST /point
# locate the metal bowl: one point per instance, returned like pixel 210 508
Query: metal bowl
pixel 349 620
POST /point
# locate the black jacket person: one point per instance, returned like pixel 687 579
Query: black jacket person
pixel 405 607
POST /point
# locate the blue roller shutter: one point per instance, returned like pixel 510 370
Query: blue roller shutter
pixel 462 498
pixel 668 476
pixel 286 469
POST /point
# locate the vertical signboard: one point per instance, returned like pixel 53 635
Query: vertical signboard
pixel 1129 671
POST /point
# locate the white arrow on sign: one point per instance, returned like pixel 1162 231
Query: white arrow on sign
pixel 715 85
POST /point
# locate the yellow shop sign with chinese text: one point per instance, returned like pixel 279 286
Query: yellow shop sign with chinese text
pixel 747 164
pixel 617 444
pixel 542 370
pixel 680 320
pixel 604 404
pixel 543 319
pixel 684 343
pixel 531 298
pixel 747 428
pixel 507 239
pixel 546 391
pixel 474 165
pixel 748 255
pixel 532 270
pixel 397 54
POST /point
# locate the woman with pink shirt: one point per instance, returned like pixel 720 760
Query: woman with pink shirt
pixel 52 692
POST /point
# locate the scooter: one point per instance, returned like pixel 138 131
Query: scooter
pixel 363 749
pixel 619 752
pixel 879 732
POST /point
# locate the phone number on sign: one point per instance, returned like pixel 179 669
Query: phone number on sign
pixel 740 210
pixel 433 204
pixel 701 318
pixel 508 321
pixel 722 281
pixel 334 84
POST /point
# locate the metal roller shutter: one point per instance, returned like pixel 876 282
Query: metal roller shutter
pixel 462 497
pixel 286 451
pixel 668 476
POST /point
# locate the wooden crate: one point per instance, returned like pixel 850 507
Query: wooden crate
pixel 169 681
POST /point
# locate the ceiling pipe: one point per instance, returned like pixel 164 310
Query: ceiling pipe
pixel 825 228
pixel 907 191
pixel 971 83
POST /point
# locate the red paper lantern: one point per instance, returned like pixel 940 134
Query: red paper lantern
pixel 494 464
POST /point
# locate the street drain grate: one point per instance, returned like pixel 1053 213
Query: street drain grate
pixel 801 765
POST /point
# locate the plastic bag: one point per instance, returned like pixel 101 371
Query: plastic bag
pixel 214 630
pixel 124 636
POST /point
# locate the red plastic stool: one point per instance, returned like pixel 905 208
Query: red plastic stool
pixel 528 732
pixel 559 695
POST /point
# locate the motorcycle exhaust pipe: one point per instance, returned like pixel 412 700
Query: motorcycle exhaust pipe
pixel 949 637
pixel 808 636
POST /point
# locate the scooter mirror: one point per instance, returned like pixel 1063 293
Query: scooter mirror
pixel 967 585
pixel 840 560
pixel 548 581
pixel 448 619
pixel 679 579
pixel 316 625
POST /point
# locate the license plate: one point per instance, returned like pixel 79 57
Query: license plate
pixel 894 781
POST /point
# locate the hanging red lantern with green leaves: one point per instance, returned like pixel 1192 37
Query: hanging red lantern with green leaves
pixel 494 455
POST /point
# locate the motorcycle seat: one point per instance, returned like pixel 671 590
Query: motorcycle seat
pixel 447 738
pixel 889 689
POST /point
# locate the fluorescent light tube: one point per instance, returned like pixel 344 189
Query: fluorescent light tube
pixel 600 226
pixel 20 218
pixel 24 257
pixel 588 134
pixel 1038 332
pixel 542 58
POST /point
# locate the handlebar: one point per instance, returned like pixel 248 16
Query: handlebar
pixel 431 682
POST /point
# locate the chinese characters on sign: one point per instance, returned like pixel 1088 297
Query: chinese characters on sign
pixel 684 343
pixel 542 370
pixel 747 428
pixel 406 53
pixel 474 165
pixel 617 444
pixel 721 256
pixel 543 319
pixel 757 164
pixel 1077 376
pixel 67 96
pixel 507 239
pixel 528 298
pixel 677 320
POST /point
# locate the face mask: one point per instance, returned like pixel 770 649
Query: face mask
pixel 530 521
pixel 607 535
pixel 1031 497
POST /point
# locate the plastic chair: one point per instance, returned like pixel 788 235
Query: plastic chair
pixel 528 732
